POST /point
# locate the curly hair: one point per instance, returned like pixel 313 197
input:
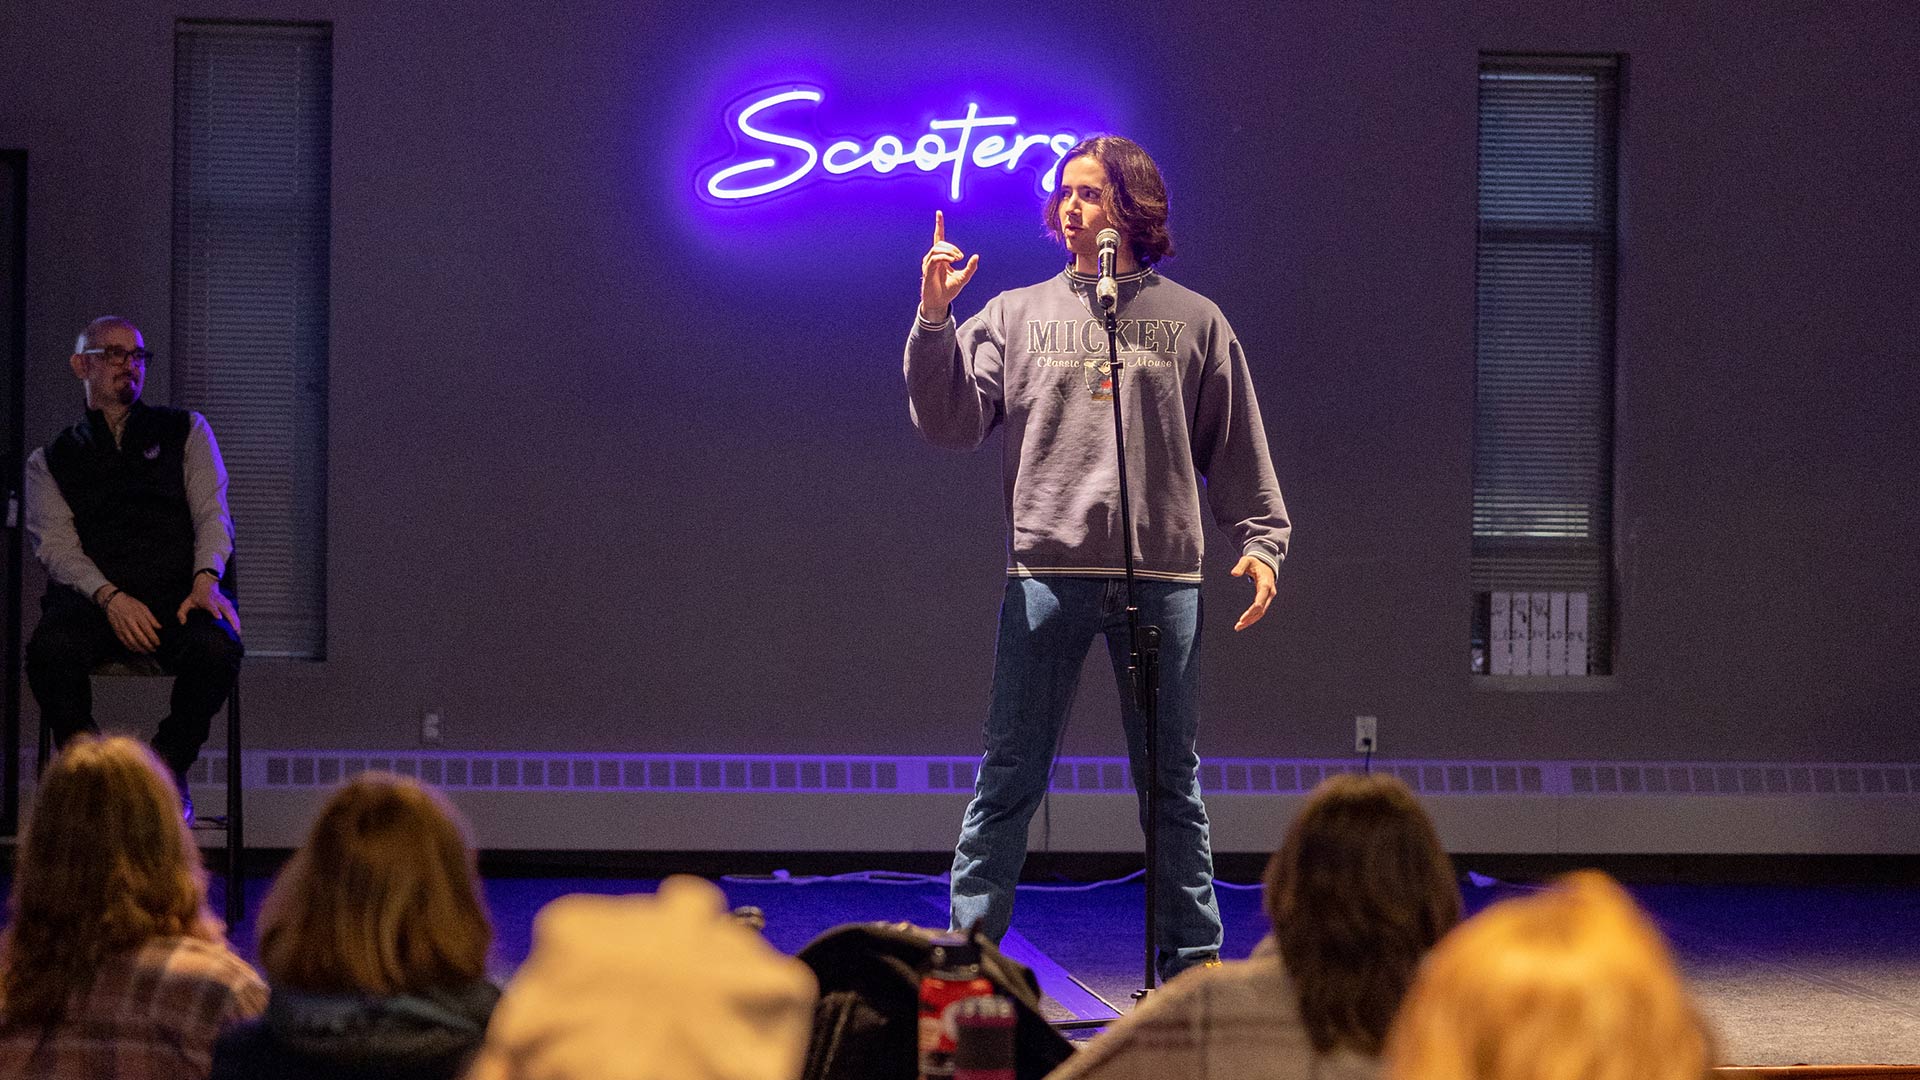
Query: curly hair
pixel 106 865
pixel 1135 197
pixel 1357 894
pixel 1571 981
pixel 383 898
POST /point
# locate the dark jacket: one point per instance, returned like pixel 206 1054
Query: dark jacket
pixel 344 1037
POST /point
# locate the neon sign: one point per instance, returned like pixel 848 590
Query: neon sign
pixel 881 155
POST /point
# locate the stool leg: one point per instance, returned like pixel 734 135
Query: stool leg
pixel 236 843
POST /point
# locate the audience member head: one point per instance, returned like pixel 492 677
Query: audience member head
pixel 1572 983
pixel 105 865
pixel 382 899
pixel 1357 894
pixel 646 988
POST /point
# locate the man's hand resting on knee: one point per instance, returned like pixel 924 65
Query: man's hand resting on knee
pixel 207 597
pixel 132 621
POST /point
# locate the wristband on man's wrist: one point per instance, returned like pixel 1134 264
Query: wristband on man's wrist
pixel 107 601
pixel 207 570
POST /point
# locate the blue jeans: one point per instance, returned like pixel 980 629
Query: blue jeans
pixel 1046 626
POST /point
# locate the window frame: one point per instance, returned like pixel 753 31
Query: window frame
pixel 1504 556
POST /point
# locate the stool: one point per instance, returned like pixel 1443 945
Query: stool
pixel 230 822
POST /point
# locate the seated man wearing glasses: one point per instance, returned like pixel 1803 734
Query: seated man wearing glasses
pixel 128 513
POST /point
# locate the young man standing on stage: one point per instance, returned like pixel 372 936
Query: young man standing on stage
pixel 1035 360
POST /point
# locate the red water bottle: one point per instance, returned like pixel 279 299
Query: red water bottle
pixel 952 976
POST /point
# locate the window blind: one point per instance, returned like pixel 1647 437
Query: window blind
pixel 251 190
pixel 1544 374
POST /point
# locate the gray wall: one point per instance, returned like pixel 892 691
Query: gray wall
pixel 608 477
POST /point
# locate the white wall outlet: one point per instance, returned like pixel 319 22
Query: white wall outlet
pixel 430 728
pixel 1366 734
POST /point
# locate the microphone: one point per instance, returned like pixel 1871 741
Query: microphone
pixel 1108 291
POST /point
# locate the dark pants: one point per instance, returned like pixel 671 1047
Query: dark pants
pixel 74 636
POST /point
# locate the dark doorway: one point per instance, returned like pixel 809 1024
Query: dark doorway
pixel 13 351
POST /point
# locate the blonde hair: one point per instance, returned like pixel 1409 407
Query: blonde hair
pixel 1573 983
pixel 106 864
pixel 383 897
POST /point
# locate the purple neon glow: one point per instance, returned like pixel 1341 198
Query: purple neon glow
pixel 777 147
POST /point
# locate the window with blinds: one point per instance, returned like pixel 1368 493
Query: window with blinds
pixel 252 146
pixel 1544 375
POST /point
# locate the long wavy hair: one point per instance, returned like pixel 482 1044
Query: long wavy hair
pixel 1569 982
pixel 106 865
pixel 383 898
pixel 1135 197
pixel 1357 894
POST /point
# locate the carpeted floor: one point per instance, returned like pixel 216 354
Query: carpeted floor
pixel 1801 975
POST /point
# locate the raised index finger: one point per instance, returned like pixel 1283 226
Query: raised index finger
pixel 939 226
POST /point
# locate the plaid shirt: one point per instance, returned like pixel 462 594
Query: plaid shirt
pixel 1239 1021
pixel 152 1013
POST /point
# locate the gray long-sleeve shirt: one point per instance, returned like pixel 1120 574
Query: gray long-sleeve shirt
pixel 56 543
pixel 1034 359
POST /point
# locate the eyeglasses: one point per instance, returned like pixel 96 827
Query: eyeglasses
pixel 114 354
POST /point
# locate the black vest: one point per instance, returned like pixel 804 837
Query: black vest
pixel 130 502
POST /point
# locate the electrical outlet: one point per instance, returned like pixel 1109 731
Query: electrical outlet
pixel 430 728
pixel 1366 734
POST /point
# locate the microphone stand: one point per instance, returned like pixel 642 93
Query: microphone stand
pixel 1143 659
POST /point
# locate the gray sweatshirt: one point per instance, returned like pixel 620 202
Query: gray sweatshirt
pixel 1035 360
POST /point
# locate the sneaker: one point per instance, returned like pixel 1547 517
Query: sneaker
pixel 186 798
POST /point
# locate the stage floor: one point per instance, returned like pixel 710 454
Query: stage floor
pixel 1787 974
